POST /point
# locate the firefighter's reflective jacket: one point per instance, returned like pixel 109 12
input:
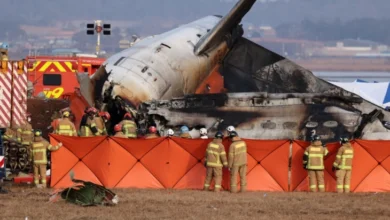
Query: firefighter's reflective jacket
pixel 344 157
pixel 215 154
pixel 66 127
pixel 129 128
pixel 237 153
pixel 314 156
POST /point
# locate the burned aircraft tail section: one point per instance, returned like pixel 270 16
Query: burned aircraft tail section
pixel 227 26
pixel 250 67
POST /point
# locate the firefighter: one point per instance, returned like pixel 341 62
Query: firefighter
pixel 170 133
pixel 230 129
pixel 65 126
pixel 152 133
pixel 215 159
pixel 94 124
pixel 83 123
pixel 343 165
pixel 25 138
pixel 185 132
pixel 118 131
pixel 101 121
pixel 237 162
pixel 203 133
pixel 39 149
pixel 129 126
pixel 313 162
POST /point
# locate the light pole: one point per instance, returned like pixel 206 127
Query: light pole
pixel 98 27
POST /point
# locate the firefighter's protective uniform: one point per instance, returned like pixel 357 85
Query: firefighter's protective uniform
pixel 343 166
pixel 101 125
pixel 237 162
pixel 39 150
pixel 65 126
pixel 83 124
pixel 313 162
pixel 215 159
pixel 128 126
pixel 120 134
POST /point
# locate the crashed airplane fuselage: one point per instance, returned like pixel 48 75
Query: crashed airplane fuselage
pixel 178 62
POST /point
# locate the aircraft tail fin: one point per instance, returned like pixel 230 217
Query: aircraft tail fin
pixel 224 26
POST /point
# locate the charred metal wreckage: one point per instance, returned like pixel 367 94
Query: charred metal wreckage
pixel 269 97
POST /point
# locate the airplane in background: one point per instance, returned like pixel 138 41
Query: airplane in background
pixel 205 74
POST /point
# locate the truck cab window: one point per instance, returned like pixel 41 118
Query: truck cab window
pixel 52 79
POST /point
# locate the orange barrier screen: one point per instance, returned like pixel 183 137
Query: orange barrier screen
pixel 178 163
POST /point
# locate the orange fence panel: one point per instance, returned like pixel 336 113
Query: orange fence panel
pixel 370 173
pixel 178 163
pixel 161 163
pixel 371 166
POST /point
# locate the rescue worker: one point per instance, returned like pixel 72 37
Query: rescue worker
pixel 65 126
pixel 94 123
pixel 215 159
pixel 170 133
pixel 313 162
pixel 185 132
pixel 230 129
pixel 343 165
pixel 83 123
pixel 237 162
pixel 118 131
pixel 105 116
pixel 128 125
pixel 101 121
pixel 39 148
pixel 203 133
pixel 152 133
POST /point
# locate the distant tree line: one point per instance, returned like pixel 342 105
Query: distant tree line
pixel 365 28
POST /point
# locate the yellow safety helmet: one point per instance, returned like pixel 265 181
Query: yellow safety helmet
pixel 66 114
pixel 38 133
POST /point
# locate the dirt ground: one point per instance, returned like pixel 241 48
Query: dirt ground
pixel 24 202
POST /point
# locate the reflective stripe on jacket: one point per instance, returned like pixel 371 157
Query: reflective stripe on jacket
pixel 129 128
pixel 237 153
pixel 344 157
pixel 315 154
pixel 39 149
pixel 215 154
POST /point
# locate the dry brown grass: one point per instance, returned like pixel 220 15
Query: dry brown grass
pixel 178 204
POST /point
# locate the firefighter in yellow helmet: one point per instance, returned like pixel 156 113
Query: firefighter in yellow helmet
pixel 313 162
pixel 128 125
pixel 237 162
pixel 65 126
pixel 215 159
pixel 343 165
pixel 39 149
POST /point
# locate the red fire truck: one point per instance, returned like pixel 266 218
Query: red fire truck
pixel 55 76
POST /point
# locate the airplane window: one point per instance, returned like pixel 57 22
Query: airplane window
pixel 162 44
pixel 52 79
pixel 144 69
pixel 117 62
